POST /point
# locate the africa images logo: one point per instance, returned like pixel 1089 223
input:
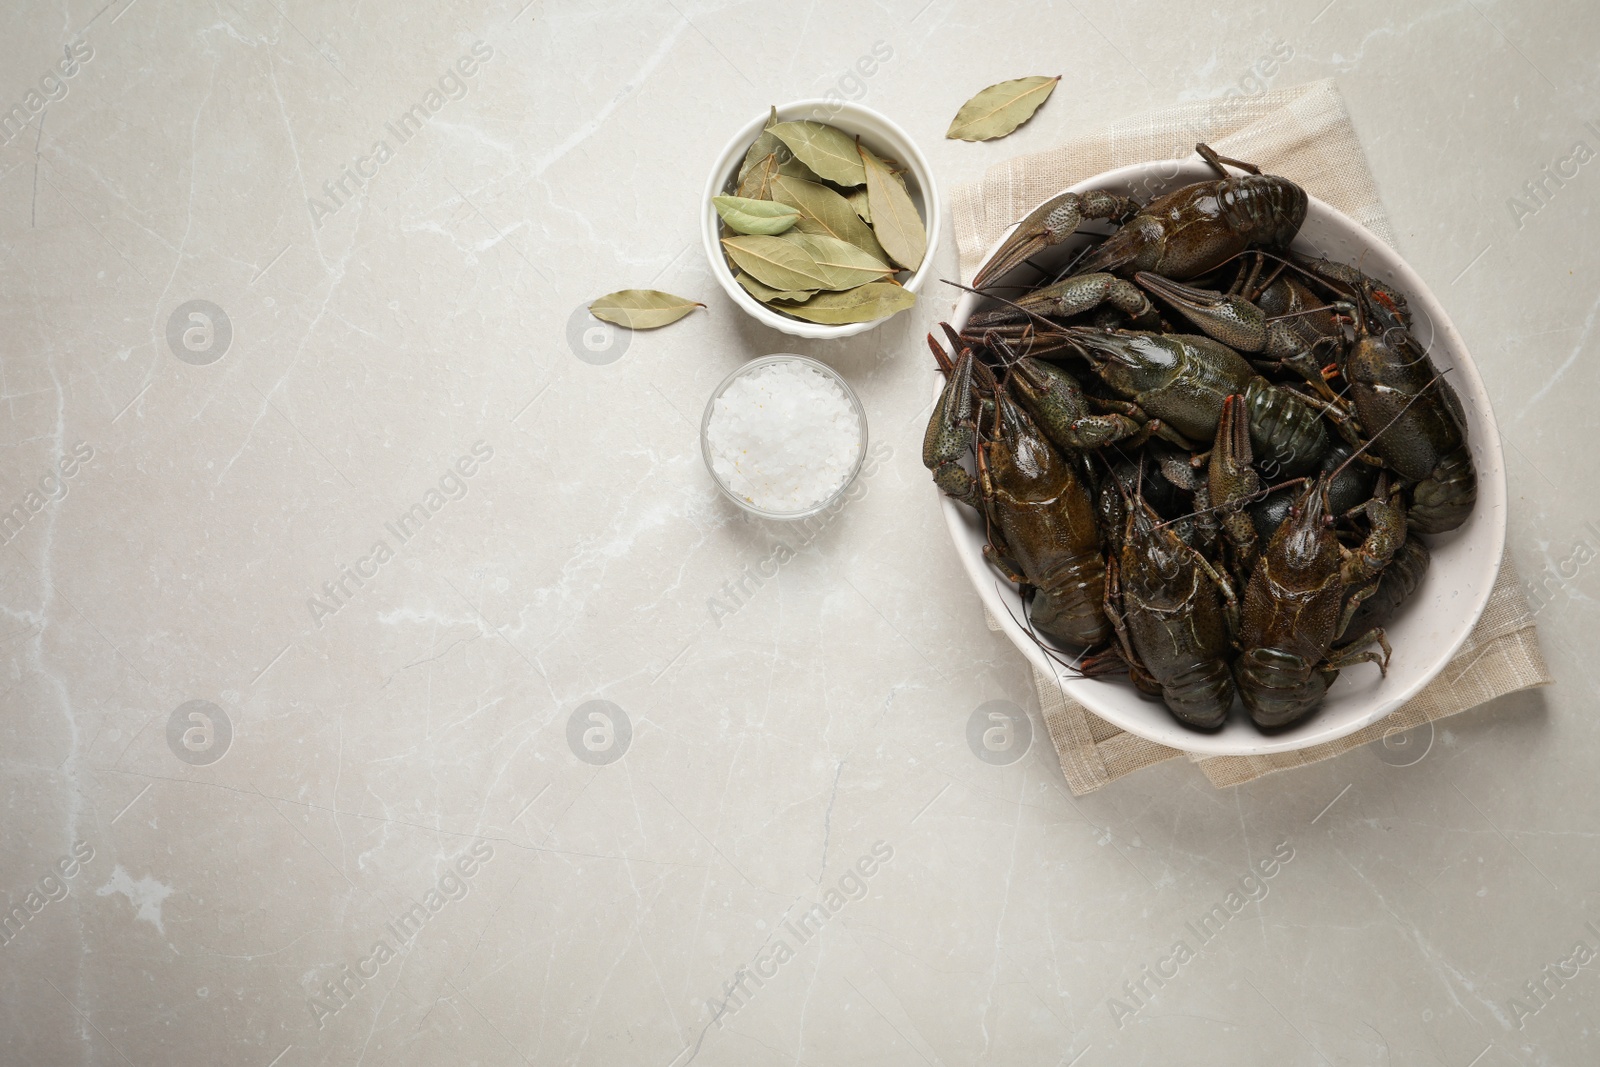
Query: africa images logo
pixel 999 732
pixel 199 332
pixel 53 486
pixel 50 888
pixel 400 934
pixel 199 733
pixel 52 87
pixel 599 732
pixel 452 86
pixel 778 950
pixel 453 485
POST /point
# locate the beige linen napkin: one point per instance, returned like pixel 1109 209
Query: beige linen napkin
pixel 1303 133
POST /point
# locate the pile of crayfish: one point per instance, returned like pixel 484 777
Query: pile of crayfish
pixel 1205 458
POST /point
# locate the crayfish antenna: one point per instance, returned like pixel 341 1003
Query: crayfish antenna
pixel 1095 240
pixel 1003 300
pixel 1209 154
pixel 1258 494
pixel 1033 635
pixel 1369 441
pixel 1009 359
pixel 1310 276
pixel 1308 311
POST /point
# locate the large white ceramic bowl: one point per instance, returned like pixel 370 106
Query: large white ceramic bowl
pixel 1428 629
pixel 877 133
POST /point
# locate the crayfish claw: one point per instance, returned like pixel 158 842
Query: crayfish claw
pixel 1051 223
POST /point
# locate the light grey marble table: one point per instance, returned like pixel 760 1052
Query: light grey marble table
pixel 243 350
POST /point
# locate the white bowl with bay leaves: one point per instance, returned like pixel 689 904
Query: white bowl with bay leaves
pixel 886 142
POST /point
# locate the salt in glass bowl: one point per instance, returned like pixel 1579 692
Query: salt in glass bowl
pixel 748 368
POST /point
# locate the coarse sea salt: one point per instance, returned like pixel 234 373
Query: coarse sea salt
pixel 784 437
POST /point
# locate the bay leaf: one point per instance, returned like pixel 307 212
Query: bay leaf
pixel 778 262
pixel 763 146
pixel 864 303
pixel 858 202
pixel 842 264
pixel 757 181
pixel 825 149
pixel 895 220
pixel 755 216
pixel 1001 108
pixel 796 169
pixel 766 294
pixel 825 212
pixel 642 309
pixel 766 144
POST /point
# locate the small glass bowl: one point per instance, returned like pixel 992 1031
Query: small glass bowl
pixel 756 364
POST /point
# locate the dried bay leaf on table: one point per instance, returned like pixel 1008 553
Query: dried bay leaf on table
pixel 842 264
pixel 1000 108
pixel 755 216
pixel 766 294
pixel 825 212
pixel 778 262
pixel 829 151
pixel 864 303
pixel 642 309
pixel 895 221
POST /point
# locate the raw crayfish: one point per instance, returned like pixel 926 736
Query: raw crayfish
pixel 1042 532
pixel 1212 511
pixel 1170 608
pixel 1298 604
pixel 1183 234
